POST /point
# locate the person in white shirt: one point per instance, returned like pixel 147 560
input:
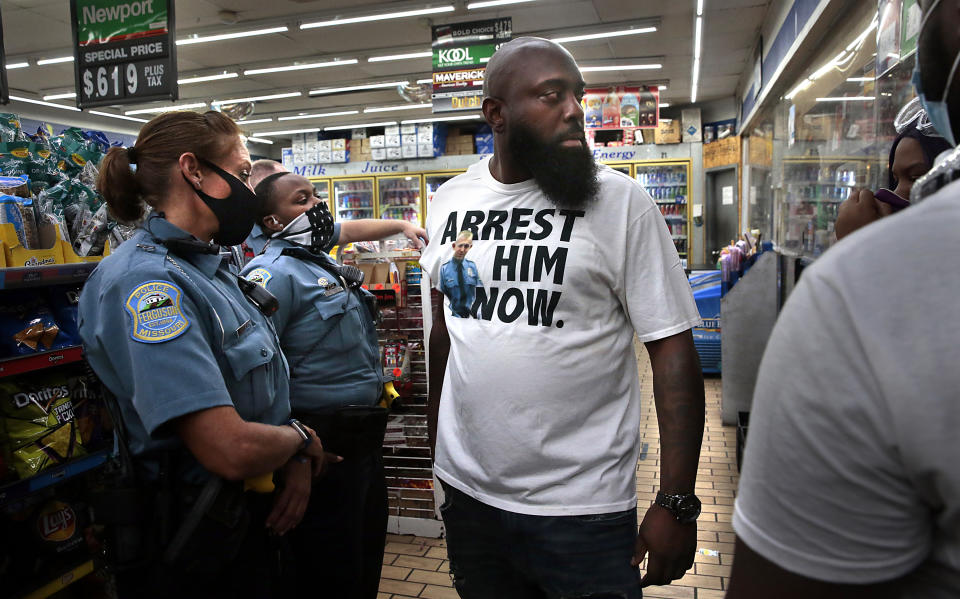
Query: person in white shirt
pixel 851 477
pixel 535 398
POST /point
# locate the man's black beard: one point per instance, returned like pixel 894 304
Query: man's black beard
pixel 567 176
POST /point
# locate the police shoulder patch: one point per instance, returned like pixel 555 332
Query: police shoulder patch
pixel 155 312
pixel 260 276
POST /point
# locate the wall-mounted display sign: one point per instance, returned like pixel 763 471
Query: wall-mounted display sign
pixel 621 108
pixel 124 51
pixel 460 55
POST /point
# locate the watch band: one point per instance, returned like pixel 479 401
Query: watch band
pixel 304 435
pixel 684 507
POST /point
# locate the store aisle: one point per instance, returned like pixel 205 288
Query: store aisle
pixel 418 567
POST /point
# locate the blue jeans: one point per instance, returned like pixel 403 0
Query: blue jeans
pixel 495 554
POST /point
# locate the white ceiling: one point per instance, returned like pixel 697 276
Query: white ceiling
pixel 37 29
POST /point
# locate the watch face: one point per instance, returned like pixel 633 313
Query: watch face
pixel 688 508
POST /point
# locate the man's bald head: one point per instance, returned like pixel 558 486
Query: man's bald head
pixel 504 65
pixel 261 169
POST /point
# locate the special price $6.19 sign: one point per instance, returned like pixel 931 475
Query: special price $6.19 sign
pixel 124 51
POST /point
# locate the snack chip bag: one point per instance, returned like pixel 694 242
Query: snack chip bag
pixel 28 326
pixel 40 429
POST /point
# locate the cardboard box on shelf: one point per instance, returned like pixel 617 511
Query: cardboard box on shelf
pixel 378 141
pixel 365 145
pixel 668 132
pixel 338 144
pixel 394 153
pixel 298 147
pixel 408 129
pixel 298 137
pixel 311 147
pixel 391 141
pixel 425 132
pixel 358 134
pixel 408 151
pixel 391 130
pixel 408 139
pixel 324 157
pixel 425 151
pixel 338 156
pixel 378 153
pixel 324 145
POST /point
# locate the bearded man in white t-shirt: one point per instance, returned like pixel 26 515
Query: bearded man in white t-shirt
pixel 535 399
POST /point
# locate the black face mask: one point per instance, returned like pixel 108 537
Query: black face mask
pixel 313 229
pixel 236 213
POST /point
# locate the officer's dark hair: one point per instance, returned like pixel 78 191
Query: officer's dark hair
pixel 161 142
pixel 265 191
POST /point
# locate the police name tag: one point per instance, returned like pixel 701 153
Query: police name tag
pixel 329 288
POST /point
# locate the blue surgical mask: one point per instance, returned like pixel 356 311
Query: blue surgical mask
pixel 937 111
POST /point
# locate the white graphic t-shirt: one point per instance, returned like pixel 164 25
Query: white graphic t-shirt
pixel 540 407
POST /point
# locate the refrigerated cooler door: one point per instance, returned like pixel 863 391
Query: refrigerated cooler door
pixel 432 182
pixel 668 185
pixel 353 199
pixel 400 198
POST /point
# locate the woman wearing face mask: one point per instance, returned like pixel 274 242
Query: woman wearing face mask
pixel 912 154
pixel 196 369
pixel 327 331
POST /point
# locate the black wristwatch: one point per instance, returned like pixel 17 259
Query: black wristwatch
pixel 686 508
pixel 307 439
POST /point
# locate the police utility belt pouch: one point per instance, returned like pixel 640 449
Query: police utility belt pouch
pixel 350 431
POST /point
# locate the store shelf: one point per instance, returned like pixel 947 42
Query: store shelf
pixel 359 208
pixel 54 274
pixel 825 183
pixel 380 287
pixel 670 203
pixel 677 217
pixel 52 476
pixel 39 361
pixel 61 582
pixel 683 184
pixel 679 236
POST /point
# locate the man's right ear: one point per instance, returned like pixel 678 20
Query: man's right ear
pixel 272 223
pixel 493 113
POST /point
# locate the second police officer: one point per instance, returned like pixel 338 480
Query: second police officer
pixel 327 331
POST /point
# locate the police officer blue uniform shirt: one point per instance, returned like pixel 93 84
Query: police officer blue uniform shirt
pixel 257 239
pixel 459 281
pixel 170 335
pixel 325 329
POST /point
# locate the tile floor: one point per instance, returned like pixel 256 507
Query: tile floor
pixel 418 567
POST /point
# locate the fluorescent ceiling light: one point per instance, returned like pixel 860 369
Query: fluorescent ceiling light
pixel 202 39
pixel 259 140
pixel 117 116
pixel 156 109
pixel 287 132
pixel 17 65
pixel 254 121
pixel 437 119
pixel 257 98
pixel 63 96
pixel 858 79
pixel 378 17
pixel 398 107
pixel 201 79
pixel 400 56
pixel 661 87
pixel 602 35
pixel 422 81
pixel 55 60
pixel 848 99
pixel 695 87
pixel 360 126
pixel 353 88
pixel 622 67
pixel 698 38
pixel 699 8
pixel 42 103
pixel 302 67
pixel 489 3
pixel 697 44
pixel 664 104
pixel 318 115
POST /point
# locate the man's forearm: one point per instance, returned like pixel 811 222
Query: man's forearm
pixel 439 352
pixel 678 393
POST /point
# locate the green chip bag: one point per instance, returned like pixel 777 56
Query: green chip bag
pixel 40 429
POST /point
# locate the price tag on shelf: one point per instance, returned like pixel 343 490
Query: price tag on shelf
pixel 124 50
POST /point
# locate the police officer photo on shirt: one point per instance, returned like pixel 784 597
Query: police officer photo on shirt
pixel 459 279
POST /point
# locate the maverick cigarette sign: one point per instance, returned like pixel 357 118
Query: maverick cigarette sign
pixel 460 55
pixel 124 50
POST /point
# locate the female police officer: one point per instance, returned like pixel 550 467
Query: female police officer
pixel 336 381
pixel 196 368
